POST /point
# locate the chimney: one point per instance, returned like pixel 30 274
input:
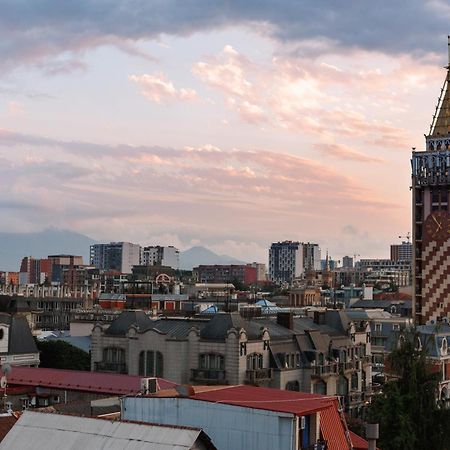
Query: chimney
pixel 372 434
pixel 286 320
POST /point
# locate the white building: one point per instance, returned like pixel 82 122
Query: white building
pixel 156 255
pixel 120 256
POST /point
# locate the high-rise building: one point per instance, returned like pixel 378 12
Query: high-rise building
pixel 311 256
pixel 156 255
pixel 285 261
pixel 431 217
pixel 347 262
pixel 401 252
pixel 119 256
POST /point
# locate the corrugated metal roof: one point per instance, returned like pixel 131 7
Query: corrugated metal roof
pixel 78 380
pixel 299 403
pixel 358 442
pixel 35 430
pixel 332 428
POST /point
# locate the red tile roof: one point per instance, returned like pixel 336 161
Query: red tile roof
pixel 298 403
pixel 77 380
pixel 358 442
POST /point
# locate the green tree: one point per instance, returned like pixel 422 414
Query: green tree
pixel 62 355
pixel 408 412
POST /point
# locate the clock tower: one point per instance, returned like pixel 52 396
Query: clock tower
pixel 431 216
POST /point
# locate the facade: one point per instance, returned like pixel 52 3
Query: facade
pixel 401 252
pixel 261 271
pixel 221 273
pixel 431 217
pixel 285 261
pixel 118 256
pixel 161 256
pixel 301 354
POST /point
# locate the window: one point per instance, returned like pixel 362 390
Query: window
pixel 396 327
pixel 151 364
pixel 243 348
pixel 212 361
pixel 114 355
pixel 254 361
pixel 354 381
pixel 378 327
pixel 320 388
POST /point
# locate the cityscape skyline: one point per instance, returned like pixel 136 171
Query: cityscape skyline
pixel 229 127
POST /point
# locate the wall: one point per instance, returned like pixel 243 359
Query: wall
pixel 229 427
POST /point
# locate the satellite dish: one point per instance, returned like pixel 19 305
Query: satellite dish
pixel 6 369
pixel 3 382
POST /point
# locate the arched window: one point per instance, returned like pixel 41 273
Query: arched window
pixel 320 387
pixel 254 361
pixel 151 364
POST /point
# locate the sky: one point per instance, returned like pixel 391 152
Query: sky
pixel 227 124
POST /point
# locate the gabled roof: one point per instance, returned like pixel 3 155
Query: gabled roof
pixel 20 339
pixel 56 431
pixel 77 380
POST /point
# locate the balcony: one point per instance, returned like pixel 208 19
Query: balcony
pixel 323 370
pixel 110 367
pixel 258 375
pixel 346 366
pixel 208 376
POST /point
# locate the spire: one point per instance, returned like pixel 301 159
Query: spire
pixel 327 263
pixel 440 125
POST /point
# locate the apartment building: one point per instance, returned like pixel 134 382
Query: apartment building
pixel 118 256
pixel 157 255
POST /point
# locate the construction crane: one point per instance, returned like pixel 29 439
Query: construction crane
pixel 407 237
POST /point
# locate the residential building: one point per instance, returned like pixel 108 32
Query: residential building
pixel 57 431
pixel 35 271
pixel 245 417
pixel 157 255
pixel 261 271
pixel 401 252
pixel 285 261
pixel 431 217
pixel 388 267
pixel 118 256
pixel 347 262
pixel 299 353
pixel 311 256
pixel 59 263
pixel 219 273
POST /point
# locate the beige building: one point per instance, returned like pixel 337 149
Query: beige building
pixel 326 354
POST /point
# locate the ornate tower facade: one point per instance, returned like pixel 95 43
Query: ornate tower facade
pixel 431 216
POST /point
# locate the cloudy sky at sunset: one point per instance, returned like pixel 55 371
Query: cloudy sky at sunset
pixel 229 124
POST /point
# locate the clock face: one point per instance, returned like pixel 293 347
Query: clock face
pixel 437 226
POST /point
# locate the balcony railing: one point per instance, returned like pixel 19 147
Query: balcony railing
pixel 258 375
pixel 110 367
pixel 322 370
pixel 209 376
pixel 344 366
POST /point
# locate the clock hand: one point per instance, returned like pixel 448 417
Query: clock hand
pixel 438 223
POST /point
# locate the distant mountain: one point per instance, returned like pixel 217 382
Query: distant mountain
pixel 14 246
pixel 201 255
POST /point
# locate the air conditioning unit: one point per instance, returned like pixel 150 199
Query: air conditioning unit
pixel 149 385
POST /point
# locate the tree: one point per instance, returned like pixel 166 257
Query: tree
pixel 409 414
pixel 58 354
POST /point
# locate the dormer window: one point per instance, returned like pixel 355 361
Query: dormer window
pixel 444 347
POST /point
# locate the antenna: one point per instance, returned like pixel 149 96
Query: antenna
pixel 448 45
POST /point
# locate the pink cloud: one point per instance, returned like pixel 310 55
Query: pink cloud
pixel 157 88
pixel 346 153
